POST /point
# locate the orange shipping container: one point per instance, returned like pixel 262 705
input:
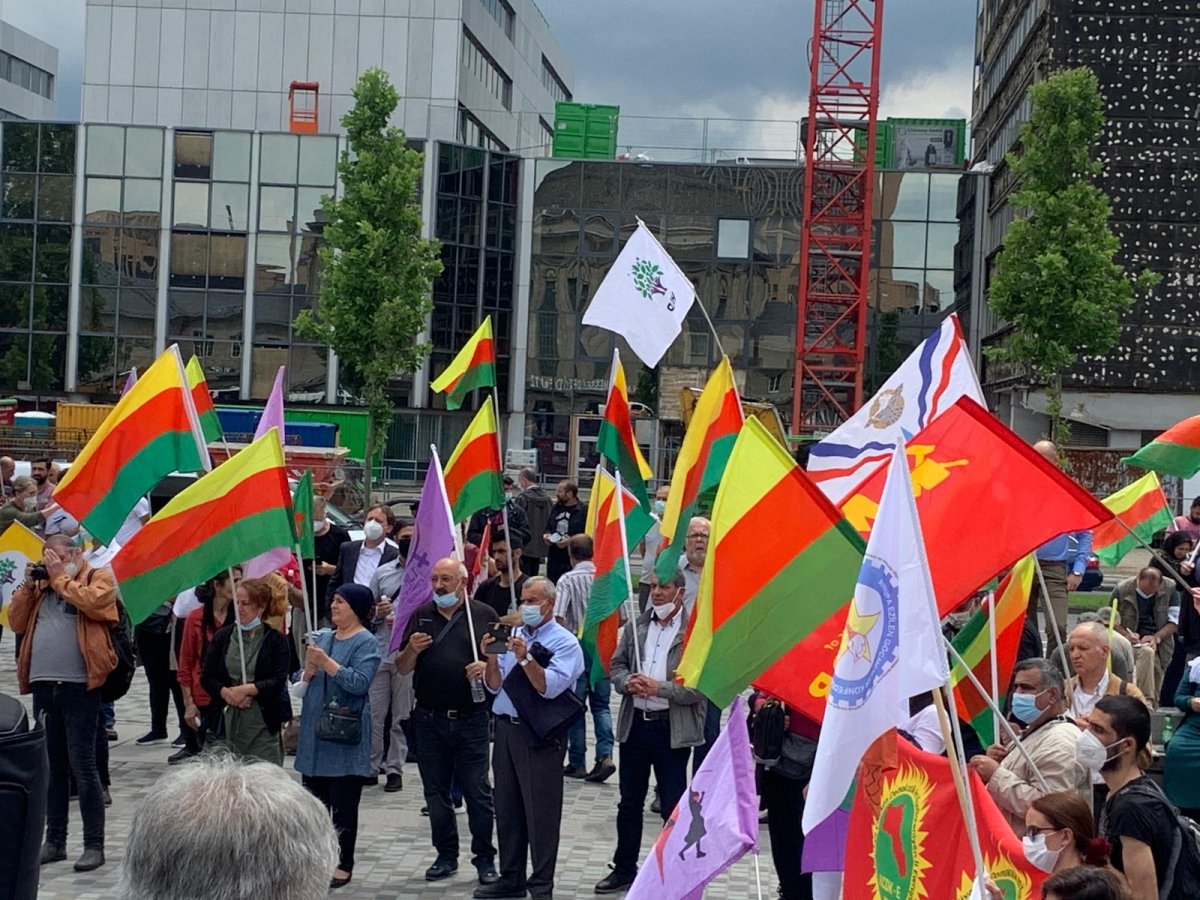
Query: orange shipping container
pixel 81 416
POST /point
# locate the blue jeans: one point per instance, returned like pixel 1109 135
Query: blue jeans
pixel 598 698
pixel 72 718
pixel 455 752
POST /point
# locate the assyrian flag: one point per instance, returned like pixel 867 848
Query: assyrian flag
pixel 929 382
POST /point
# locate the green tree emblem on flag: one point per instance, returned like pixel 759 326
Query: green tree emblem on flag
pixel 647 278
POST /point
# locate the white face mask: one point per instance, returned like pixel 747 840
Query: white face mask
pixel 663 611
pixel 1090 753
pixel 71 569
pixel 31 504
pixel 372 530
pixel 319 524
pixel 1038 853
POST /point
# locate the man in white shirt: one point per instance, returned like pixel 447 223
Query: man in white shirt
pixel 358 560
pixel 658 722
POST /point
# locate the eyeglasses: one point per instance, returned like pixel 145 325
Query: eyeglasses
pixel 1033 831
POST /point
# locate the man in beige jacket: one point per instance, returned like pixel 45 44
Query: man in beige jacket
pixel 1039 702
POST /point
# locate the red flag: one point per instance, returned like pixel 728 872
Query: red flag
pixel 985 499
pixel 912 842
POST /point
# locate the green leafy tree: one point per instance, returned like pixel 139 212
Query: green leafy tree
pixel 1055 280
pixel 378 271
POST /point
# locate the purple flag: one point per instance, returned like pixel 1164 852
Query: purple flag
pixel 434 537
pixel 825 845
pixel 714 825
pixel 130 381
pixel 272 416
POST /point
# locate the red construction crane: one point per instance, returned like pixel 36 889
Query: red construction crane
pixel 835 239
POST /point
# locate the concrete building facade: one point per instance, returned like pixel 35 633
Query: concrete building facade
pixel 28 68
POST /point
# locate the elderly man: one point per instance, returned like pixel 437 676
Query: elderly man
pixel 1039 704
pixel 66 655
pixel 450 721
pixel 1120 650
pixel 1148 607
pixel 529 784
pixel 659 720
pixel 8 469
pixel 1087 646
pixel 390 692
pixel 695 551
pixel 219 828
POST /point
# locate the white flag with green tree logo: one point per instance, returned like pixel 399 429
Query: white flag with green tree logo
pixel 644 298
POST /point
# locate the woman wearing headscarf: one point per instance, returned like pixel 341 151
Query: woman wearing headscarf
pixel 1176 548
pixel 254 705
pixel 334 753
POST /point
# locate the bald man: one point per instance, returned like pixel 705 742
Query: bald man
pixel 8 468
pixel 1063 561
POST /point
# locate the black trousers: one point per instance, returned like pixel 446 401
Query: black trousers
pixel 530 565
pixel 341 795
pixel 450 752
pixel 712 729
pixel 784 800
pixel 155 652
pixel 72 717
pixel 648 747
pixel 529 798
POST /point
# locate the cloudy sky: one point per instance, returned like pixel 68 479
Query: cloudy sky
pixel 678 57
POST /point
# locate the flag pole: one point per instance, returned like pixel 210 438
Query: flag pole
pixel 1037 566
pixel 757 876
pixel 999 716
pixel 1166 564
pixel 619 499
pixel 508 536
pixel 303 583
pixel 1112 624
pixel 952 735
pixel 995 665
pixel 436 461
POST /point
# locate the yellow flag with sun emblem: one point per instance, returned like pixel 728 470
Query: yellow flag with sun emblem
pixel 18 546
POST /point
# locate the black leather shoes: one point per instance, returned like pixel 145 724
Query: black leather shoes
pixel 395 782
pixel 487 873
pixel 443 868
pixel 500 890
pixel 91 859
pixel 53 853
pixel 614 882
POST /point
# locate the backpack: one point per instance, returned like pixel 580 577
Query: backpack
pixel 116 685
pixel 766 733
pixel 1183 880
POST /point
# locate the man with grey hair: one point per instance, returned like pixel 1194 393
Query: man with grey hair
pixel 527 768
pixel 8 468
pixel 1039 703
pixel 1120 649
pixel 219 829
pixel 691 564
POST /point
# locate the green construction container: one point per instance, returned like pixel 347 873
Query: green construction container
pixel 585 130
pixel 351 425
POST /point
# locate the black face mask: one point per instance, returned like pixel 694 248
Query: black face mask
pixel 402 544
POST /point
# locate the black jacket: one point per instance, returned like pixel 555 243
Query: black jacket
pixel 518 523
pixel 348 562
pixel 270 674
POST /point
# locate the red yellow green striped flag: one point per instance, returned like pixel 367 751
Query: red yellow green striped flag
pixel 611 586
pixel 234 513
pixel 1142 506
pixel 1174 452
pixel 474 367
pixel 151 432
pixel 473 470
pixel 703 456
pixel 973 644
pixel 616 439
pixel 637 520
pixel 765 586
pixel 210 424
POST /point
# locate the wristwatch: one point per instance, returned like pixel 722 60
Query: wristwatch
pixel 526 661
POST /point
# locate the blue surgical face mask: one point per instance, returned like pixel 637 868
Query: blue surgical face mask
pixel 251 625
pixel 1024 707
pixel 445 601
pixel 660 507
pixel 531 615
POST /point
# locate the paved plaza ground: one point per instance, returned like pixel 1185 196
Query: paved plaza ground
pixel 393 842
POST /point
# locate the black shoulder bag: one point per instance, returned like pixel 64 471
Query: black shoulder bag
pixel 340 719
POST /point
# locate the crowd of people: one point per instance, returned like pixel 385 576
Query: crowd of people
pixel 490 690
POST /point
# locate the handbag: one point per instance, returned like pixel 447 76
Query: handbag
pixel 340 719
pixel 548 718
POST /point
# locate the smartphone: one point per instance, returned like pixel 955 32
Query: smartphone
pixel 500 633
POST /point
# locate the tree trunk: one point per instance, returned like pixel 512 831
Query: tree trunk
pixel 1060 432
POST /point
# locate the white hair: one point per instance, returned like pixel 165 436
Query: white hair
pixel 216 829
pixel 543 584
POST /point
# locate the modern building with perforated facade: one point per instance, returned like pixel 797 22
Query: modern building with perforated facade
pixel 1144 54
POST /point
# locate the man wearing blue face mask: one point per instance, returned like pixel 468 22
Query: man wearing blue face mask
pixel 1048 736
pixel 528 769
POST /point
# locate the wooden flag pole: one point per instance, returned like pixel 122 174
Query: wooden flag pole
pixel 995 664
pixel 952 735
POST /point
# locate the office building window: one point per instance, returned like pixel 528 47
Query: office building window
pixel 553 83
pixel 16 71
pixel 477 61
pixel 502 13
pixel 472 131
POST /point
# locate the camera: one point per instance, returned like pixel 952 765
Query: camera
pixel 38 572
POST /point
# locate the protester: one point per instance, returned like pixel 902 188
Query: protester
pixel 1148 610
pixel 1180 779
pixel 8 468
pixel 570 611
pixel 567 519
pixel 1189 524
pixel 1060 834
pixel 327 544
pixel 153 639
pixel 221 829
pixel 23 505
pixel 451 723
pixel 695 552
pixel 391 692
pixel 39 469
pixel 216 597
pixel 1120 655
pixel 334 752
pixel 1048 736
pixel 518 524
pixel 1062 561
pixel 1086 883
pixel 651 543
pixel 535 503
pixel 358 560
pixel 245 676
pixel 1137 820
pixel 529 785
pixel 1088 649
pixel 658 722
pixel 65 656
pixel 1187 634
pixel 498 591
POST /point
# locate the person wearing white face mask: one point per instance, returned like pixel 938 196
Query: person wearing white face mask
pixel 659 721
pixel 23 505
pixel 358 560
pixel 1048 738
pixel 1060 834
pixel 1138 820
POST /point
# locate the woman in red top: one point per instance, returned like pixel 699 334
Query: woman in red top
pixel 216 597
